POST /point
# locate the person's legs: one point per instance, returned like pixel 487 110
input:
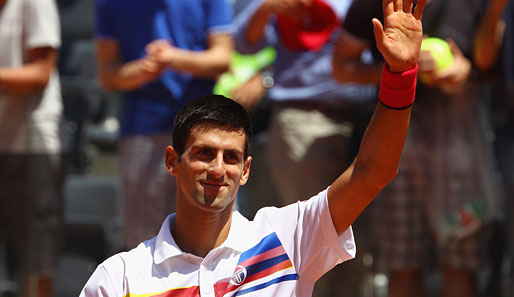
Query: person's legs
pixel 406 283
pixel 148 190
pixel 459 283
pixel 34 194
pixel 461 259
pixel 38 286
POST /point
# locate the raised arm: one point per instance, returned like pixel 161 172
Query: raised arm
pixel 399 41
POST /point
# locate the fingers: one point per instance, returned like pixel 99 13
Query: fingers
pixel 398 5
pixel 391 6
pixel 388 7
pixel 157 45
pixel 454 48
pixel 418 10
pixel 407 6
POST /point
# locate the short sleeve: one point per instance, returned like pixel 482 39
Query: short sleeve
pixel 41 24
pixel 307 231
pixel 219 16
pixel 106 280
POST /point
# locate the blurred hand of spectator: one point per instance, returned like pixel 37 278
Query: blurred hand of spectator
pixel 250 93
pixel 206 64
pixel 450 79
pixel 162 52
pixel 129 76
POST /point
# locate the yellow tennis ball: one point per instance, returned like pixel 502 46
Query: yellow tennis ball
pixel 441 53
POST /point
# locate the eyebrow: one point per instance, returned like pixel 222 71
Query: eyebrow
pixel 202 146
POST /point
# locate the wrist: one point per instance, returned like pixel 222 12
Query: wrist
pixel 400 69
pixel 398 89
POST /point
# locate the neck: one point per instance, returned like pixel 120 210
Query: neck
pixel 198 232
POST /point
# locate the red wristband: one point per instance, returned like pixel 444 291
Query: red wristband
pixel 398 90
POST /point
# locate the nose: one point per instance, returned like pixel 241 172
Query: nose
pixel 216 166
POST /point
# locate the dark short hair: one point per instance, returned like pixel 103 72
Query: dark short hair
pixel 210 109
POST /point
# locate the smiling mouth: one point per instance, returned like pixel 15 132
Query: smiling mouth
pixel 211 185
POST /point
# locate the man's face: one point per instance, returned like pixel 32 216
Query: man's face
pixel 212 167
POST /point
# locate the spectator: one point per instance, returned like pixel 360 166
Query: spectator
pixel 445 168
pixel 31 163
pixel 493 48
pixel 160 54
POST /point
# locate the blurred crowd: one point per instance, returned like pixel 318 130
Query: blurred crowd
pixel 82 78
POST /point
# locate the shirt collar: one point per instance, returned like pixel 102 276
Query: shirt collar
pixel 238 233
pixel 166 247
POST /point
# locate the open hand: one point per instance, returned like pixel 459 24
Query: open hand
pixel 399 39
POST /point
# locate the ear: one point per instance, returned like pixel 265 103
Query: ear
pixel 246 171
pixel 171 160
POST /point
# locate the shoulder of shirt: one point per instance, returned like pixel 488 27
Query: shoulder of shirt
pixel 136 257
pixel 270 210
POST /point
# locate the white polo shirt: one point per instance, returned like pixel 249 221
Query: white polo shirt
pixel 282 252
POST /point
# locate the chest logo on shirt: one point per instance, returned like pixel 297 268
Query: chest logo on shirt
pixel 239 275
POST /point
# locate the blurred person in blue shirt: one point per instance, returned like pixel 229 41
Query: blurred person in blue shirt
pixel 160 54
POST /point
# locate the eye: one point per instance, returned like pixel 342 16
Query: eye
pixel 204 153
pixel 232 158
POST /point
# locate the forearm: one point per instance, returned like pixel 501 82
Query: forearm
pixel 382 144
pixel 379 155
pixel 30 78
pixel 126 77
pixel 202 64
pixel 257 24
pixel 488 38
pixel 374 167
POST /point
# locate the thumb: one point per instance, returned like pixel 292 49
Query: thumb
pixel 378 31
